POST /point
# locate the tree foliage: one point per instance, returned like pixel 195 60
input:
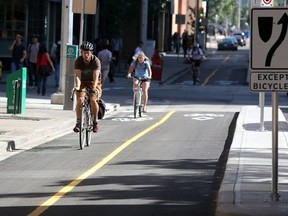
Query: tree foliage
pixel 225 10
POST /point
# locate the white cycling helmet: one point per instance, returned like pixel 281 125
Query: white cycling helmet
pixel 87 46
pixel 196 45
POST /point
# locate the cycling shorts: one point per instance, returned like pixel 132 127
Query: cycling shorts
pixel 142 79
pixel 89 84
pixel 197 62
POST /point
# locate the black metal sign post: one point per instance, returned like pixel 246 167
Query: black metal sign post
pixel 275 194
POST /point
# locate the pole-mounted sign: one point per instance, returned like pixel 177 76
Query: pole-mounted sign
pixel 267 3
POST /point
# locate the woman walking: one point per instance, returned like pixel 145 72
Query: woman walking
pixel 43 59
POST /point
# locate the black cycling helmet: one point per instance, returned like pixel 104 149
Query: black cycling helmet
pixel 87 46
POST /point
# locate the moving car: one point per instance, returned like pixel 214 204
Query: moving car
pixel 240 38
pixel 228 43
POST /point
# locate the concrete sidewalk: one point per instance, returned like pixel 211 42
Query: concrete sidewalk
pixel 247 185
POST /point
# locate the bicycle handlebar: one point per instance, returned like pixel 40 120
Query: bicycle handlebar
pixel 86 90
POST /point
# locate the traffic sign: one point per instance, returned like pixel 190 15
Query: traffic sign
pixel 267 3
pixel 268 82
pixel 72 51
pixel 269 39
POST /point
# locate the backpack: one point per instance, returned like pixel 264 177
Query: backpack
pixel 102 108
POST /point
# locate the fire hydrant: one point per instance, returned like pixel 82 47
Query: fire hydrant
pixel 157 66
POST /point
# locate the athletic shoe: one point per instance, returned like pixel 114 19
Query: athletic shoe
pixel 76 129
pixel 95 127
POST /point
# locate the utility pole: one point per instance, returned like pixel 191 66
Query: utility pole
pixel 66 38
pixel 144 17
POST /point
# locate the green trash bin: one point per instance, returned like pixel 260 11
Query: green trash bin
pixel 16 91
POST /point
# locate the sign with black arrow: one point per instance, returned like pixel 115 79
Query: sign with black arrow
pixel 269 39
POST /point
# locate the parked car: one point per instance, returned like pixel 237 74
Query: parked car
pixel 240 38
pixel 228 43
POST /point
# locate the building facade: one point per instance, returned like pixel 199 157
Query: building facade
pixel 28 17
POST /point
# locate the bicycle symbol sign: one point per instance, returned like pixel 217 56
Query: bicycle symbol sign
pixel 268 39
pixel 203 116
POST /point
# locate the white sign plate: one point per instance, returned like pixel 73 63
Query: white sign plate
pixel 265 81
pixel 269 39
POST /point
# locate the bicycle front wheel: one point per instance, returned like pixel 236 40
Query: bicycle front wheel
pixel 137 102
pixel 89 126
pixel 140 109
pixel 82 134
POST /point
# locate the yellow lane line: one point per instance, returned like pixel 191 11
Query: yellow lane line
pixel 208 78
pixel 214 71
pixel 45 205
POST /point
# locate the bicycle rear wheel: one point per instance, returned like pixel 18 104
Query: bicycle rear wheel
pixel 82 134
pixel 89 126
pixel 194 76
pixel 135 111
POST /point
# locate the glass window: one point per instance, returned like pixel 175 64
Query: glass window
pixel 12 18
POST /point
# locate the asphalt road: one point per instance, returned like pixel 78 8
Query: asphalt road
pixel 161 165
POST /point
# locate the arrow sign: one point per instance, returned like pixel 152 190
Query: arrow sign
pixel 269 39
pixel 284 22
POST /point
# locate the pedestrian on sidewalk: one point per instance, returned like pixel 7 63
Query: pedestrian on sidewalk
pixel 139 48
pixel 185 38
pixel 116 47
pixel 31 60
pixel 19 53
pixel 55 57
pixel 176 42
pixel 105 57
pixel 43 59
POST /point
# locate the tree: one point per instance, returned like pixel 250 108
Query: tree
pixel 225 10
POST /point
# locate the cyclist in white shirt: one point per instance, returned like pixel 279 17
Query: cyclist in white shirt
pixel 197 57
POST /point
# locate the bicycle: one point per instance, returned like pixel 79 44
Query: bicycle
pixel 86 123
pixel 195 73
pixel 138 103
